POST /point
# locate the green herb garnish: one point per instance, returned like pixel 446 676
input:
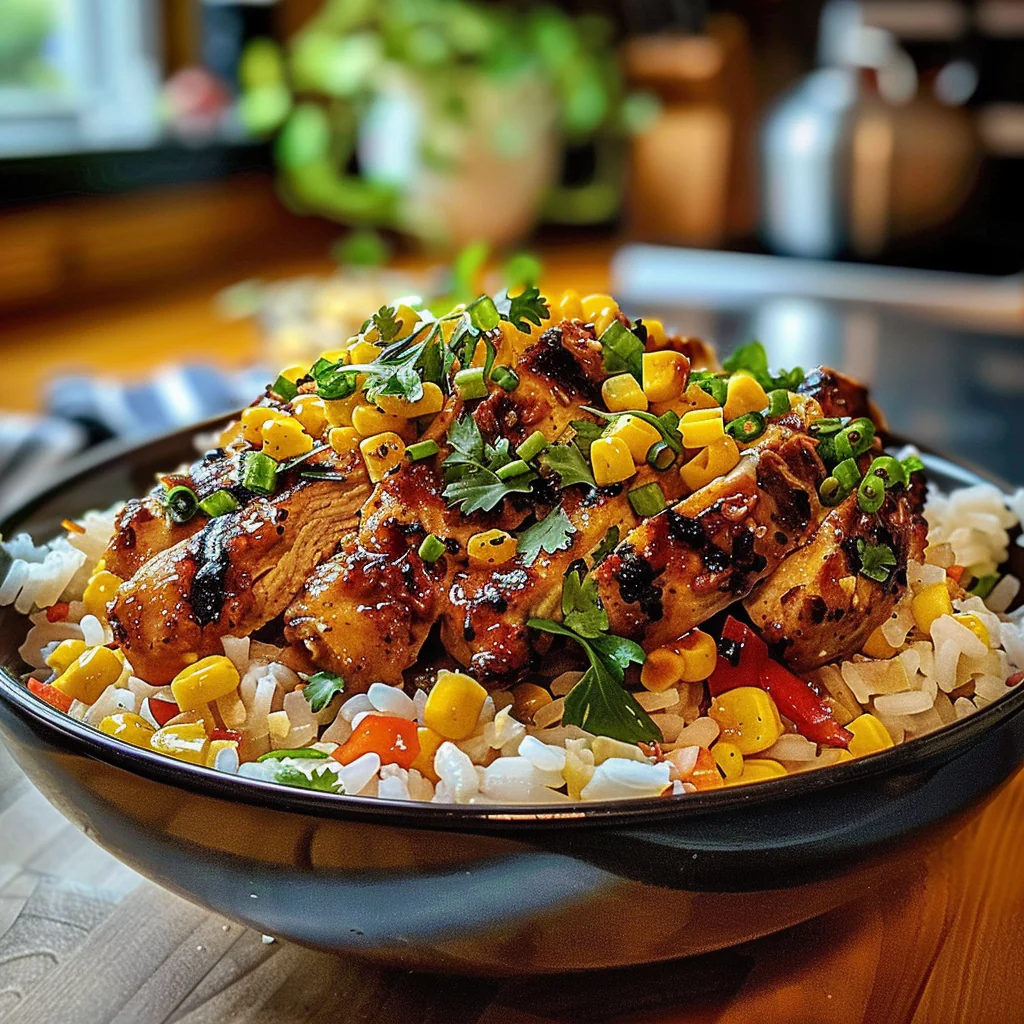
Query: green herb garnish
pixel 568 462
pixel 284 388
pixel 877 561
pixel 552 533
pixel 305 753
pixel 528 307
pixel 471 470
pixel 606 547
pixel 321 689
pixel 323 780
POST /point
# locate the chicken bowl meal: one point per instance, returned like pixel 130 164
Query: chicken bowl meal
pixel 529 552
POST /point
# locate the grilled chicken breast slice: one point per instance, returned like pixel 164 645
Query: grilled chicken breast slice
pixel 680 567
pixel 817 607
pixel 234 575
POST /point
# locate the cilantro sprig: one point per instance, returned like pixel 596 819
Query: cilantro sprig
pixel 567 461
pixel 323 780
pixel 552 533
pixel 877 561
pixel 321 689
pixel 471 470
pixel 599 702
pixel 753 358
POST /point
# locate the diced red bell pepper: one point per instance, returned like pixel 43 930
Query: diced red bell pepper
pixel 795 699
pixel 742 654
pixel 705 774
pixel 955 573
pixel 232 735
pixel 394 739
pixel 58 612
pixel 54 697
pixel 163 710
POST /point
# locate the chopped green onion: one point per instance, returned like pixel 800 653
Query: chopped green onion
pixel 505 377
pixel 260 473
pixel 219 503
pixel 483 314
pixel 622 350
pixel 747 427
pixel 848 474
pixel 854 439
pixel 912 464
pixel 305 753
pixel 648 500
pixel 470 383
pixel 827 451
pixel 984 585
pixel 532 446
pixel 661 456
pixel 284 387
pixel 871 493
pixel 717 387
pixel 832 492
pixel 431 549
pixel 825 426
pixel 422 450
pixel 778 402
pixel 512 469
pixel 889 470
pixel 182 503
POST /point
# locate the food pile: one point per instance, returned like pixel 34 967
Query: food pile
pixel 529 552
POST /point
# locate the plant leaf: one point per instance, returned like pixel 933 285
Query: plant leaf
pixel 568 462
pixel 321 689
pixel 323 780
pixel 553 533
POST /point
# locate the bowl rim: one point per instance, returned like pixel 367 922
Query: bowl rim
pixel 84 739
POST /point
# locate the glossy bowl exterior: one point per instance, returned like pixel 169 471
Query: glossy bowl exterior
pixel 493 890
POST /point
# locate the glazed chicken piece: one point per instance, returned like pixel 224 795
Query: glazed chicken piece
pixel 236 574
pixel 837 394
pixel 817 607
pixel 680 567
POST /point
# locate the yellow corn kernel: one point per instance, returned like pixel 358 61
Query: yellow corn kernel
pixel 929 604
pixel 90 674
pixel 338 355
pixel 311 413
pixel 64 654
pixel 215 747
pixel 729 759
pixel 382 453
pixel 364 351
pixel 593 304
pixel 527 700
pixel 605 318
pixel 253 418
pixel 869 736
pixel 747 717
pixel 662 669
pixel 125 726
pixel 699 653
pixel 370 420
pixel 339 410
pixel 695 397
pixel 757 770
pixel 453 705
pixel 701 427
pixel 664 375
pixel 623 393
pixel 285 439
pixel 343 440
pixel 657 339
pixel 637 433
pixel 99 592
pixel 294 372
pixel 185 742
pixel 611 461
pixel 876 646
pixel 976 626
pixel 570 306
pixel 710 463
pixel 490 548
pixel 428 404
pixel 429 742
pixel 577 774
pixel 744 395
pixel 204 681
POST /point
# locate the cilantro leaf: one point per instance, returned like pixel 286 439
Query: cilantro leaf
pixel 619 650
pixel 528 306
pixel 877 561
pixel 471 469
pixel 321 689
pixel 606 547
pixel 789 380
pixel 585 434
pixel 581 607
pixel 482 491
pixel 323 780
pixel 553 533
pixel 752 358
pixel 386 324
pixel 334 379
pixel 600 704
pixel 567 461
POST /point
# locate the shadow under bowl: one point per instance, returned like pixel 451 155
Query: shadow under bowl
pixel 488 890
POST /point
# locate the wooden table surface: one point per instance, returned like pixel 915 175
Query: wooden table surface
pixel 83 940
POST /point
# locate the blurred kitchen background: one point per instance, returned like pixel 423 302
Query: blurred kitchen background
pixel 194 190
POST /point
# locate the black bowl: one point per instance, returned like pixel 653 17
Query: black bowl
pixel 496 890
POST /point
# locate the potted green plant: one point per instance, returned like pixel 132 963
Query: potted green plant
pixel 445 119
